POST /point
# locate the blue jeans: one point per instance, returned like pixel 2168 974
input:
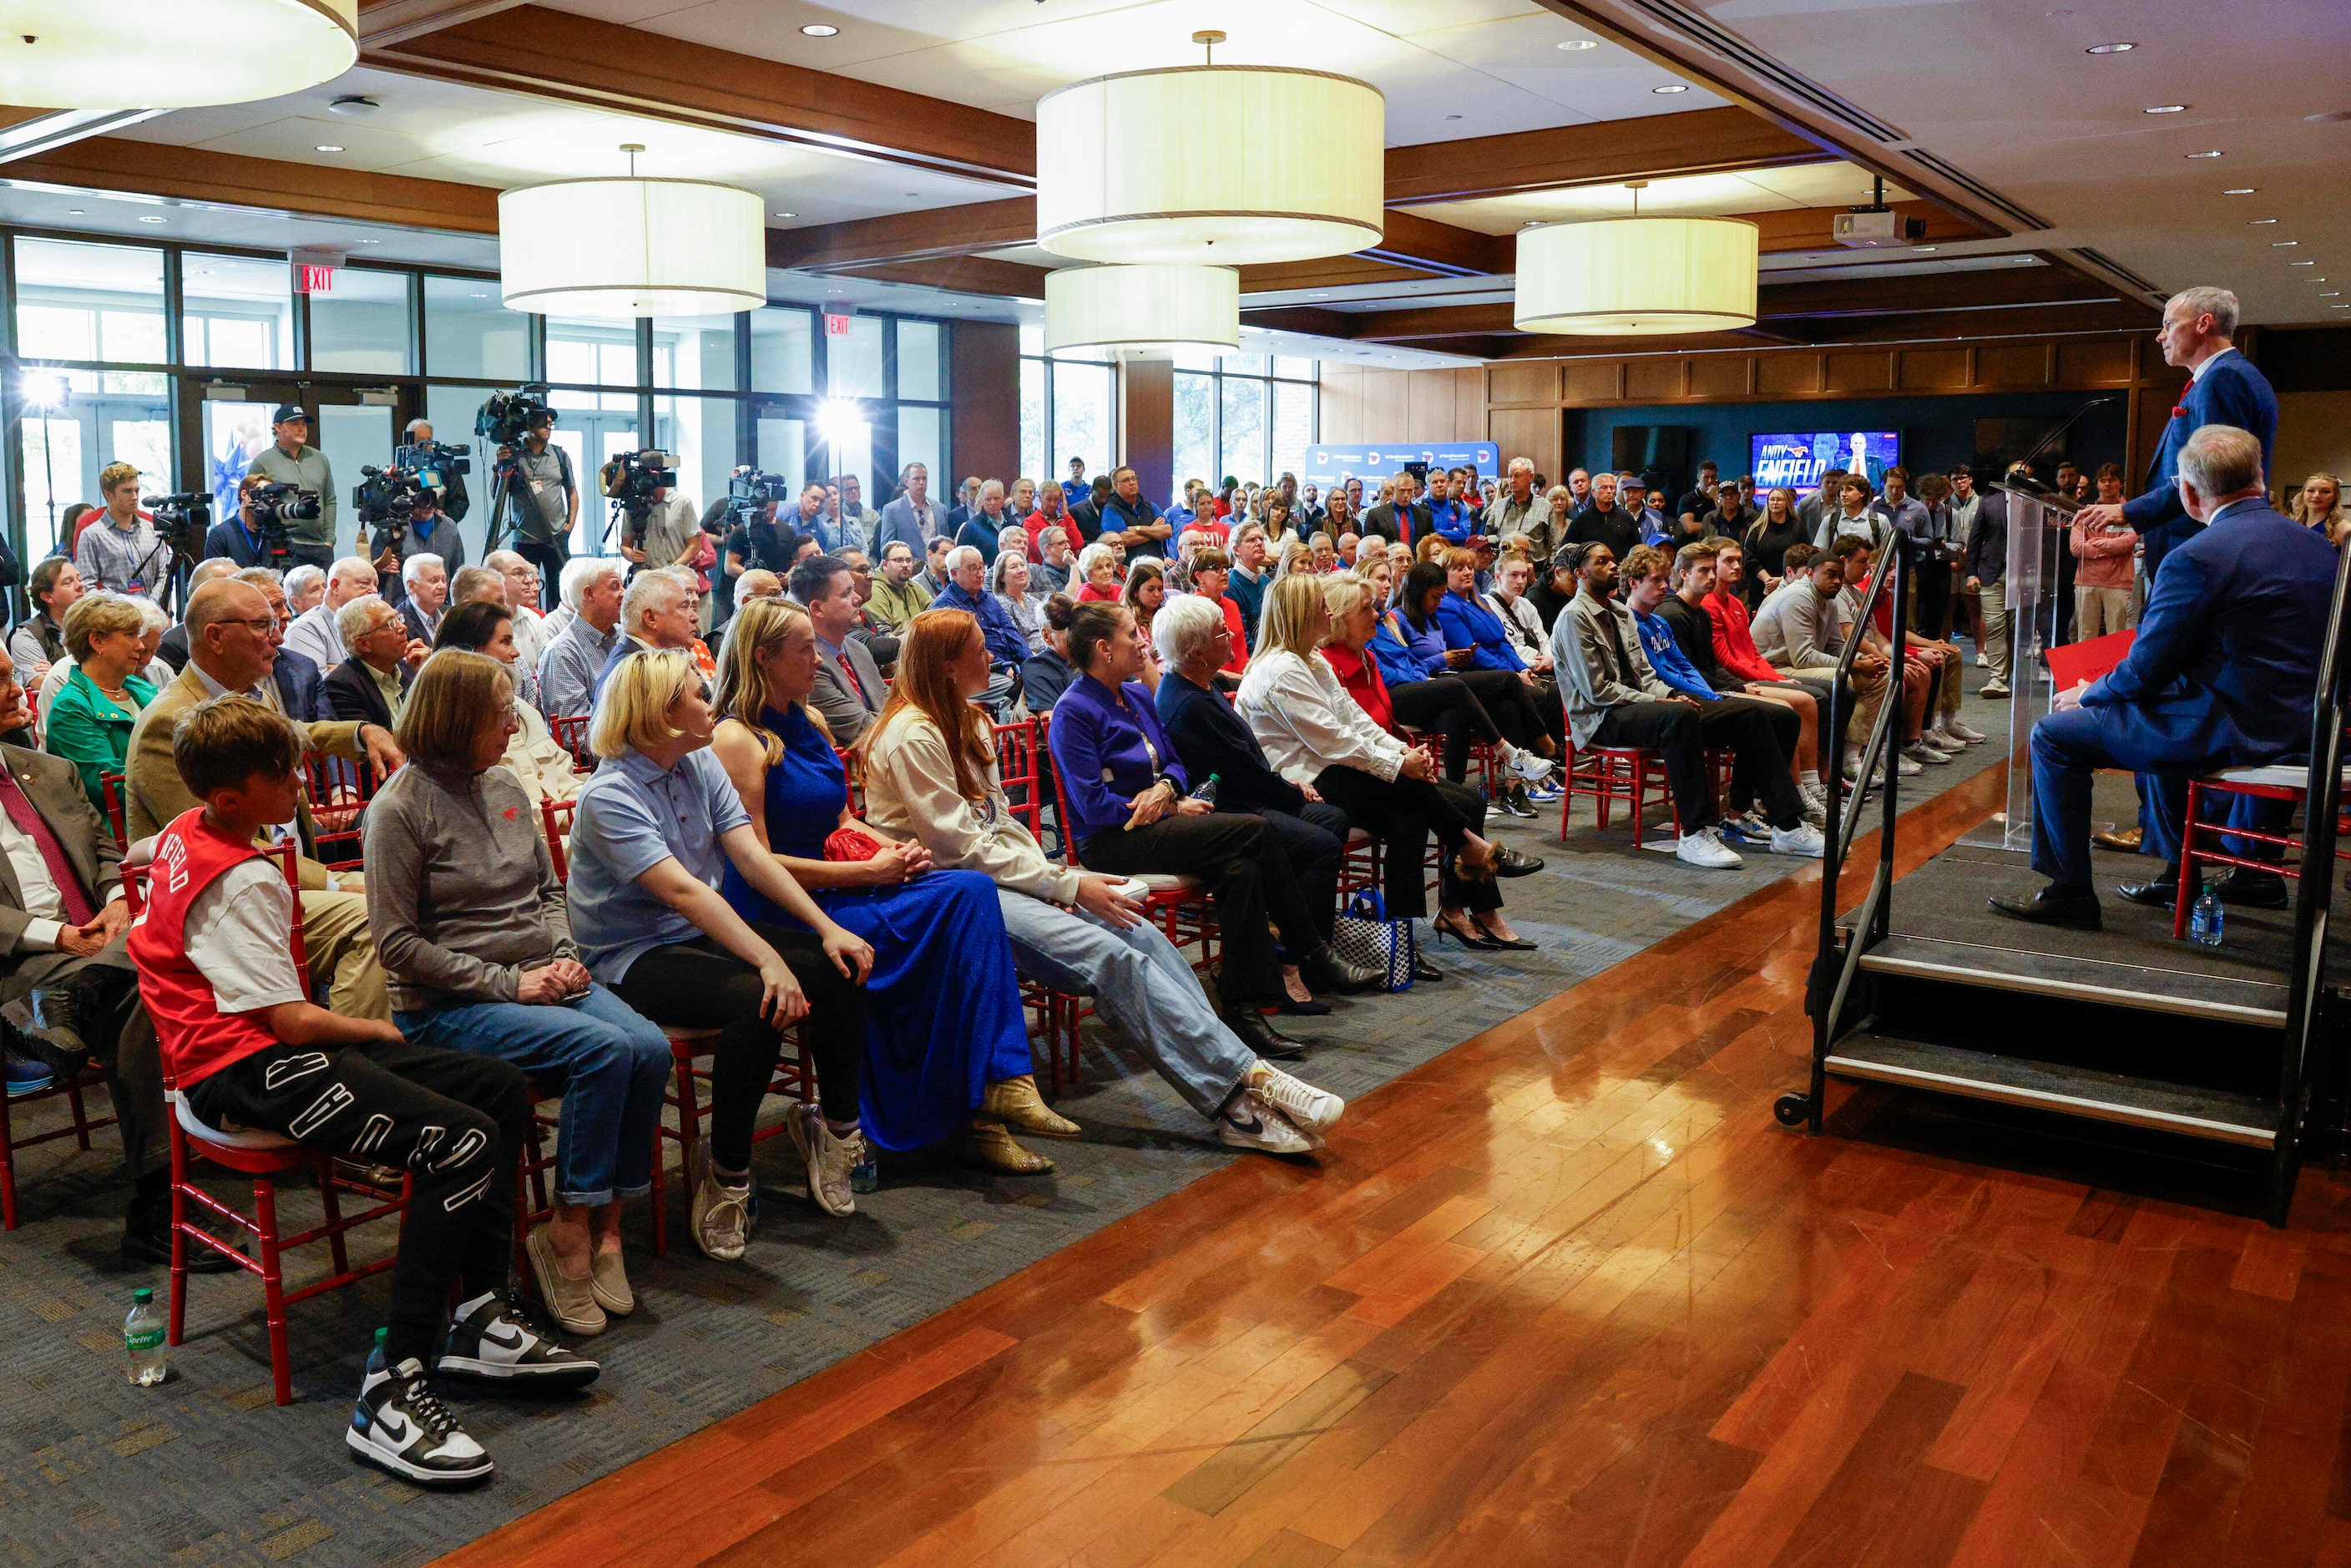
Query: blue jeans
pixel 612 1065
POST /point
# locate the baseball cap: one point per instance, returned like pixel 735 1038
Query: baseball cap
pixel 1633 482
pixel 286 411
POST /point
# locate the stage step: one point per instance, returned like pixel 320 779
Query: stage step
pixel 2206 1114
pixel 2218 998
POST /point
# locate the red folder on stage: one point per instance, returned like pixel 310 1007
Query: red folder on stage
pixel 2071 663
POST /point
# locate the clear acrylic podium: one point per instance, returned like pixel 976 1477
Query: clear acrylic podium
pixel 2037 522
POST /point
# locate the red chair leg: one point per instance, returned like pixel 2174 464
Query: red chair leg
pixel 273 1287
pixel 659 1194
pixel 2179 910
pixel 1640 790
pixel 333 1202
pixel 81 1116
pixel 179 1235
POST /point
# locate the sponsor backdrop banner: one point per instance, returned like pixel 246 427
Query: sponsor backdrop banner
pixel 1375 461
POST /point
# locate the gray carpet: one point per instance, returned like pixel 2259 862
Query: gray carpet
pixel 204 1470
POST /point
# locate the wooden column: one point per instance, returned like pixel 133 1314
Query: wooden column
pixel 984 389
pixel 1147 424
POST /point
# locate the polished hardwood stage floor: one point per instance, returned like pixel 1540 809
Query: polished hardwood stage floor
pixel 1569 1295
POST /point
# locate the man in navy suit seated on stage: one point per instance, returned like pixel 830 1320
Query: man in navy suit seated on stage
pixel 2222 674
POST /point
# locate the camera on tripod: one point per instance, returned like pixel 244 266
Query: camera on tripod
pixel 628 481
pixel 432 462
pixel 385 496
pixel 505 418
pixel 181 520
pixel 749 491
pixel 274 504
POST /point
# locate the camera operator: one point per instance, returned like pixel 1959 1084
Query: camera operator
pixel 118 551
pixel 425 530
pixel 242 539
pixel 294 461
pixel 545 499
pixel 455 501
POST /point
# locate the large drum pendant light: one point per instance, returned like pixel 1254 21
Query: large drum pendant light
pixel 1228 165
pixel 1143 312
pixel 1638 277
pixel 171 54
pixel 619 248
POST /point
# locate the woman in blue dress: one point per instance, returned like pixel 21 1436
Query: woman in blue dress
pixel 946 1052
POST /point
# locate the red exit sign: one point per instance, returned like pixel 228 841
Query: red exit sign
pixel 311 279
pixel 837 326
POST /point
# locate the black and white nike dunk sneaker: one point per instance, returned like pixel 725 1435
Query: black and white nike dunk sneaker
pixel 495 1337
pixel 400 1425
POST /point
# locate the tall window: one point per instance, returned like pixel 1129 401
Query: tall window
pixel 1247 416
pixel 1067 409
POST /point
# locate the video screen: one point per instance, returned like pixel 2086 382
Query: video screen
pixel 1796 459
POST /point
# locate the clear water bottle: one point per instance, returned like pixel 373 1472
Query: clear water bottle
pixel 2204 920
pixel 865 1175
pixel 142 1339
pixel 1206 793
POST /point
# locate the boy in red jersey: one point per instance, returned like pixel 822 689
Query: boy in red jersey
pixel 242 1041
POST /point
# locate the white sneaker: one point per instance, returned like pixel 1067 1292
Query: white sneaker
pixel 1949 744
pixel 400 1425
pixel 1816 811
pixel 1309 1109
pixel 1919 751
pixel 1992 689
pixel 1527 765
pixel 1905 766
pixel 1248 1123
pixel 1702 848
pixel 721 1213
pixel 1804 839
pixel 829 1158
pixel 1966 736
pixel 1983 661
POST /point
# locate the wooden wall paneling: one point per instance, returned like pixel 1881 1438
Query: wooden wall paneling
pixel 983 387
pixel 1341 401
pixel 1533 380
pixel 1858 374
pixel 1434 406
pixel 2098 361
pixel 1147 423
pixel 2013 364
pixel 1656 380
pixel 1933 370
pixel 1594 380
pixel 1794 374
pixel 1540 433
pixel 1721 376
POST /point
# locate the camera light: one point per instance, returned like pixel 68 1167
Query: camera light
pixel 837 421
pixel 45 389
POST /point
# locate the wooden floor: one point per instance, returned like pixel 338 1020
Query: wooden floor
pixel 1568 1295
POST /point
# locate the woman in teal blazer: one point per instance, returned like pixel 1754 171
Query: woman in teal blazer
pixel 89 719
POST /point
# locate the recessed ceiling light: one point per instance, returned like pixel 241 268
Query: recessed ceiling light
pixel 73 211
pixel 2240 191
pixel 371 242
pixel 2329 293
pixel 2258 222
pixel 327 147
pixel 1452 117
pixel 1318 297
pixel 2280 244
pixel 1672 86
pixel 1579 44
pixel 353 104
pixel 2302 264
pixel 2110 49
pixel 1924 249
pixel 2339 306
pixel 820 30
pixel 481 296
pixel 150 220
pixel 2165 109
pixel 2215 152
pixel 788 214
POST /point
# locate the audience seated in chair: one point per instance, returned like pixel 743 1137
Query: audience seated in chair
pixel 468 914
pixel 371 685
pixel 242 1041
pixel 576 653
pixel 89 720
pixel 539 763
pixel 2222 674
pixel 659 610
pixel 849 690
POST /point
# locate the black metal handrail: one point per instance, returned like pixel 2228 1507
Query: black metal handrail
pixel 2313 895
pixel 1828 1000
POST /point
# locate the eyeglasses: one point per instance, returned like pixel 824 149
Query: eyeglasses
pixel 266 626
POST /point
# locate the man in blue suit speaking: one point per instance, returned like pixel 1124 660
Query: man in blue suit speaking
pixel 2223 388
pixel 2222 674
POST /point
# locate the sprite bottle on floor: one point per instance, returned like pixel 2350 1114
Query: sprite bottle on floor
pixel 142 1339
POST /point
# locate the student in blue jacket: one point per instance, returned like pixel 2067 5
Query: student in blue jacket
pixel 1445 619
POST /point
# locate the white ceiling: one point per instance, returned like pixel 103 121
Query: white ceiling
pixel 1450 68
pixel 2003 90
pixel 1754 191
pixel 443 131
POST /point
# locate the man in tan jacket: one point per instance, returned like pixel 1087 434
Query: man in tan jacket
pixel 229 650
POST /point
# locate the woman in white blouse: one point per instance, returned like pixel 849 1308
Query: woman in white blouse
pixel 1315 734
pixel 1009 581
pixel 1070 929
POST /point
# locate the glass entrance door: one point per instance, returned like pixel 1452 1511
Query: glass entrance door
pixel 235 429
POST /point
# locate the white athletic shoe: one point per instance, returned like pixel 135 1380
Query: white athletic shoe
pixel 1904 766
pixel 1248 1123
pixel 1816 810
pixel 1954 727
pixel 1983 661
pixel 400 1425
pixel 1804 839
pixel 829 1159
pixel 721 1213
pixel 1992 689
pixel 1309 1109
pixel 1919 751
pixel 1527 765
pixel 1703 848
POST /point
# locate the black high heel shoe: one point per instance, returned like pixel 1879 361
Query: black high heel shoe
pixel 1466 935
pixel 1510 944
pixel 1292 1007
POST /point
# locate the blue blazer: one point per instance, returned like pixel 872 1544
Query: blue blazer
pixel 1401 664
pixel 2225 666
pixel 300 685
pixel 1469 624
pixel 2229 391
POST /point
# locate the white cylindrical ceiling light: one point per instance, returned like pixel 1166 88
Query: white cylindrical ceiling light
pixel 1143 312
pixel 620 248
pixel 1635 277
pixel 1228 165
pixel 171 54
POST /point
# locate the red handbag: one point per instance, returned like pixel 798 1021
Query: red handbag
pixel 851 844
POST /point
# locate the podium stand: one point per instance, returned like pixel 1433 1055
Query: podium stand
pixel 2038 518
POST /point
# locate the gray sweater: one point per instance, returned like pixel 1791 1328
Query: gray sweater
pixel 462 894
pixel 1798 630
